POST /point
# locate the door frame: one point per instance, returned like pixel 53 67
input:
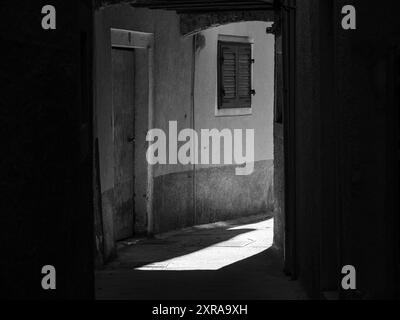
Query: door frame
pixel 121 222
pixel 128 39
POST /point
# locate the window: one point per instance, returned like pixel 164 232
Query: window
pixel 234 75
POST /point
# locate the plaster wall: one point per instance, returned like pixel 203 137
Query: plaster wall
pixel 183 194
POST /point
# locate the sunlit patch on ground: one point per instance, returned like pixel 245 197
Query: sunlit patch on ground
pixel 251 240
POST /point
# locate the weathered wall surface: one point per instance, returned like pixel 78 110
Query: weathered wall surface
pixel 221 195
pixel 172 72
pixel 205 94
pixel 278 140
pixel 237 195
pixel 183 196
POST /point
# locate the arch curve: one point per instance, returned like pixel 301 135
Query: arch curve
pixel 192 23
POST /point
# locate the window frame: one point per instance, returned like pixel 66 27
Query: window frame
pixel 234 108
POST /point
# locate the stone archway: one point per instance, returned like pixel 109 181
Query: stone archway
pixel 191 23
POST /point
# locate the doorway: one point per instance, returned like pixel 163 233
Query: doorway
pixel 123 66
pixel 186 91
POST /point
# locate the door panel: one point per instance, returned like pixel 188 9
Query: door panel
pixel 123 104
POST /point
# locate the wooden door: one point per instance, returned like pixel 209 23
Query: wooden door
pixel 123 105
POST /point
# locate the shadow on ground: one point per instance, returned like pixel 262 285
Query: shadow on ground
pixel 233 261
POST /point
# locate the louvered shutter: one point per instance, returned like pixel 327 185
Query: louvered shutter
pixel 234 78
pixel 244 75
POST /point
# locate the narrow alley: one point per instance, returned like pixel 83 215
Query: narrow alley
pixel 200 150
pixel 224 260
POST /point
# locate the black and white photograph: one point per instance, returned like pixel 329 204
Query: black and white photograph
pixel 200 158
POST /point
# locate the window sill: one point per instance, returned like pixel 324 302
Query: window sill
pixel 234 112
